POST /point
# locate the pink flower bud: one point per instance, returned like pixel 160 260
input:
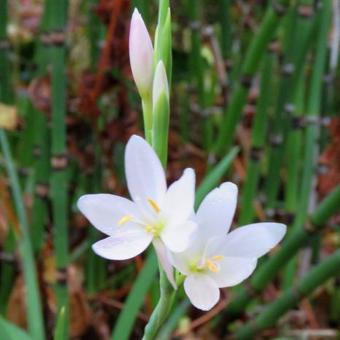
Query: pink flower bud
pixel 141 54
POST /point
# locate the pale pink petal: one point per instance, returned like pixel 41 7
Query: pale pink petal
pixel 141 54
pixel 127 242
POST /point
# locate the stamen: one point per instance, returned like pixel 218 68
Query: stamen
pixel 154 205
pixel 212 266
pixel 217 257
pixel 125 219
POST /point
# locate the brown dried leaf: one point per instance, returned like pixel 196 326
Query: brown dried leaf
pixel 16 310
pixel 330 159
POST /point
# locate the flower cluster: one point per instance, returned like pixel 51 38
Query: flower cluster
pixel 197 244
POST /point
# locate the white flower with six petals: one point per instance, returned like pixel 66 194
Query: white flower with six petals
pixel 155 214
pixel 216 259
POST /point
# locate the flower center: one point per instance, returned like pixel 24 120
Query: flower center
pixel 154 228
pixel 209 264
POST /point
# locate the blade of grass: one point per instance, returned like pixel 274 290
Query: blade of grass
pixel 33 301
pixel 9 331
pixel 126 320
pixel 214 176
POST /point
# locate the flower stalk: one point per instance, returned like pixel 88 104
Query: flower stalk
pixel 160 130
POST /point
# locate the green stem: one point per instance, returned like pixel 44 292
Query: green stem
pixel 59 160
pixel 315 278
pixel 253 57
pixel 258 142
pixel 298 41
pixel 33 301
pixel 162 309
pixel 147 116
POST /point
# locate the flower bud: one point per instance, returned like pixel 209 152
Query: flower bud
pixel 160 83
pixel 141 54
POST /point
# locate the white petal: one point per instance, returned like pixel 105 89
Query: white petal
pixel 202 291
pixel 233 270
pixel 104 211
pixel 177 237
pixel 217 210
pixel 144 172
pixel 254 240
pixel 181 261
pixel 164 259
pixel 127 242
pixel 180 198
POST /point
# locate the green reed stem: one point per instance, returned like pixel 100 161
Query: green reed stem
pixel 59 178
pixel 224 8
pixel 298 236
pixel 294 152
pixel 258 142
pixel 313 107
pixel 5 88
pixel 41 167
pixel 33 301
pixel 299 35
pixel 252 59
pixel 311 281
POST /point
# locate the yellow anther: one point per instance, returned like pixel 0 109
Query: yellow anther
pixel 217 257
pixel 154 205
pixel 212 266
pixel 125 219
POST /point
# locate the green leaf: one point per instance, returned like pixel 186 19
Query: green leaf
pixel 9 331
pixel 60 331
pixel 135 300
pixel 160 127
pixel 215 175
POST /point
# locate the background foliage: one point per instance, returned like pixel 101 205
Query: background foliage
pixel 254 101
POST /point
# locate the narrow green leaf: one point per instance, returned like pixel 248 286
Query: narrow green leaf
pixel 215 175
pixel 127 317
pixel 61 326
pixel 9 331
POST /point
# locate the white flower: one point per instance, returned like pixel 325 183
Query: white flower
pixel 141 54
pixel 155 214
pixel 217 259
